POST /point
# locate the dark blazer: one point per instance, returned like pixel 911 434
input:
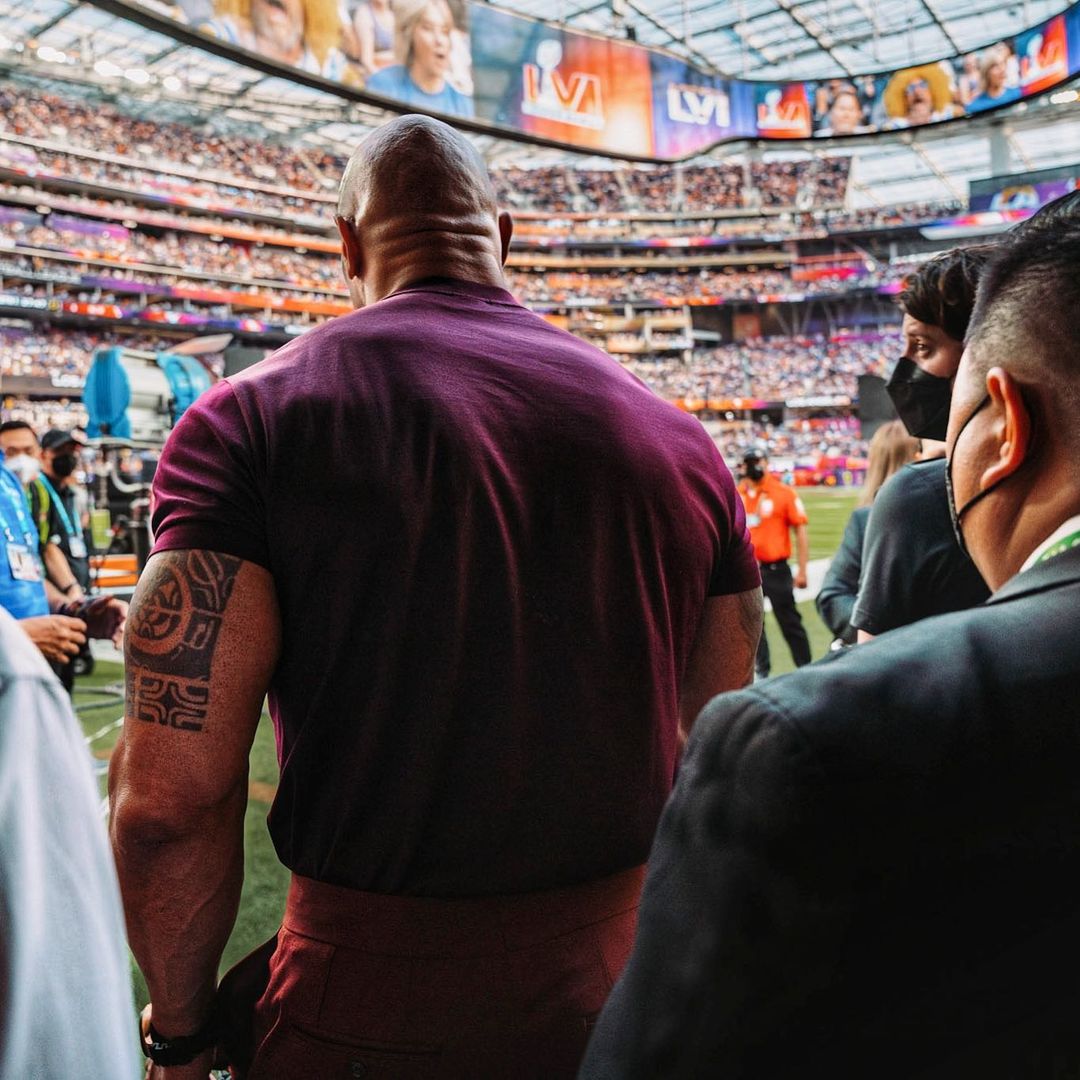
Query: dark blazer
pixel 840 586
pixel 871 867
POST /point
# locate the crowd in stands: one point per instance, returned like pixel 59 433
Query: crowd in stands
pixel 773 369
pixel 46 354
pixel 668 287
pixel 696 188
pixel 103 128
pixel 182 251
pixel 820 182
pixel 794 441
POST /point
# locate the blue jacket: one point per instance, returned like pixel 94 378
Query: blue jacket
pixel 21 599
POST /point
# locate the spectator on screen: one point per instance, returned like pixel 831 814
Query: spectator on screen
pixel 301 33
pixel 994 88
pixel 424 38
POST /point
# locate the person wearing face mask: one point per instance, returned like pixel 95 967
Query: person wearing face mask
pixel 57 622
pixel 911 565
pixel 59 460
pixel 772 511
pixel 870 864
pixel 23 455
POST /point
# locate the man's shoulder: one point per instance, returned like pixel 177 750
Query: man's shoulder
pixel 916 480
pixel 919 683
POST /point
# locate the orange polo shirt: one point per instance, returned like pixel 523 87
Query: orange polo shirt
pixel 772 511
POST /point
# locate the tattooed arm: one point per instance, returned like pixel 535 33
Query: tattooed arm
pixel 202 641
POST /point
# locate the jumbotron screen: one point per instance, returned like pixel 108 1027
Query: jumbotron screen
pixel 594 93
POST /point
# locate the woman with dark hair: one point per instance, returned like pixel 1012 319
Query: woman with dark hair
pixel 912 566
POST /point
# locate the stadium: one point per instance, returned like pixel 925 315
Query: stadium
pixel 727 197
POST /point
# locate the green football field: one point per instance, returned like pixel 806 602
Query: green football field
pixel 98 701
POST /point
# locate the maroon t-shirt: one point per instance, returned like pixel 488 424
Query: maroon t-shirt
pixel 491 546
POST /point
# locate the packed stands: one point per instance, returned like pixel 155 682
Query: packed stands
pixel 772 369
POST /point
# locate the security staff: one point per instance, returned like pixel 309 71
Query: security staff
pixel 772 511
pixel 59 460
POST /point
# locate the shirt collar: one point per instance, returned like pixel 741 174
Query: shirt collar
pixel 457 287
pixel 1063 530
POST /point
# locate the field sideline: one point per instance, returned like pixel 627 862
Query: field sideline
pixel 265 880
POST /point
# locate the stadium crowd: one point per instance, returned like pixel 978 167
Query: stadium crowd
pixel 669 287
pixel 772 369
pixel 573 834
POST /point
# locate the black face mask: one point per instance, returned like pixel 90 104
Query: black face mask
pixel 955 513
pixel 755 472
pixel 64 464
pixel 921 399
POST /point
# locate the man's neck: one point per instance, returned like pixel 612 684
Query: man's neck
pixel 477 269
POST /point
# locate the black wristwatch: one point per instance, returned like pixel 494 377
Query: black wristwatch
pixel 181 1049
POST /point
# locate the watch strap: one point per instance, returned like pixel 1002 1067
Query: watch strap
pixel 179 1049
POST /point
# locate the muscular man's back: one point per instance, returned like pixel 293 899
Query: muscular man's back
pixel 511 541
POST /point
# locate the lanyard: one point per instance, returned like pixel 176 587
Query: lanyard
pixel 19 509
pixel 1066 543
pixel 61 508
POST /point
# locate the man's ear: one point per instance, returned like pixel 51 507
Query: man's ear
pixel 1012 428
pixel 351 259
pixel 506 231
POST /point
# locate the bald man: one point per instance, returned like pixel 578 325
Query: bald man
pixel 483 573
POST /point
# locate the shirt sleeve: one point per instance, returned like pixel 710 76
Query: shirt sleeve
pixel 207 492
pixel 796 511
pixel 887 590
pixel 736 569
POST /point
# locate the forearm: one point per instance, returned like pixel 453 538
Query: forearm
pixel 802 546
pixel 58 571
pixel 181 884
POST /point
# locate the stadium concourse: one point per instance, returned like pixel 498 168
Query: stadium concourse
pixel 727 200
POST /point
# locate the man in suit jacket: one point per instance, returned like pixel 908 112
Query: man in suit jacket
pixel 869 867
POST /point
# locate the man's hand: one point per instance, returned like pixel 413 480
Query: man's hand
pixel 800 579
pixel 59 637
pixel 105 617
pixel 197 1069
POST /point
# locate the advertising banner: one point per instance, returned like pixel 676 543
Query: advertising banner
pixel 468 60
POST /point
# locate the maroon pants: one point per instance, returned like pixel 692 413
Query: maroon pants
pixel 370 986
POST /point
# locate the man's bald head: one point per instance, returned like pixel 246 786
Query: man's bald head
pixel 416 202
pixel 415 166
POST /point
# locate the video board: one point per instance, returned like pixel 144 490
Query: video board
pixel 469 60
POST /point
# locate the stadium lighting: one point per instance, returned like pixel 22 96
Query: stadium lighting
pixel 108 69
pixel 5 42
pixel 51 55
pixel 1063 97
pixel 139 76
pixel 172 83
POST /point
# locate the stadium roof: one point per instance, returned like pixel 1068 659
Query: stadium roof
pixel 802 39
pixel 74 42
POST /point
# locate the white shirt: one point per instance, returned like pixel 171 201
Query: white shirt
pixel 66 1009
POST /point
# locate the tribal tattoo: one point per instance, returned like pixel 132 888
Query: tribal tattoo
pixel 172 634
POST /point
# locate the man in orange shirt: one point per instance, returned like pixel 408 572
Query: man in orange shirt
pixel 772 511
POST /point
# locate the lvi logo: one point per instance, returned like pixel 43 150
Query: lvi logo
pixel 701 105
pixel 574 100
pixel 777 114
